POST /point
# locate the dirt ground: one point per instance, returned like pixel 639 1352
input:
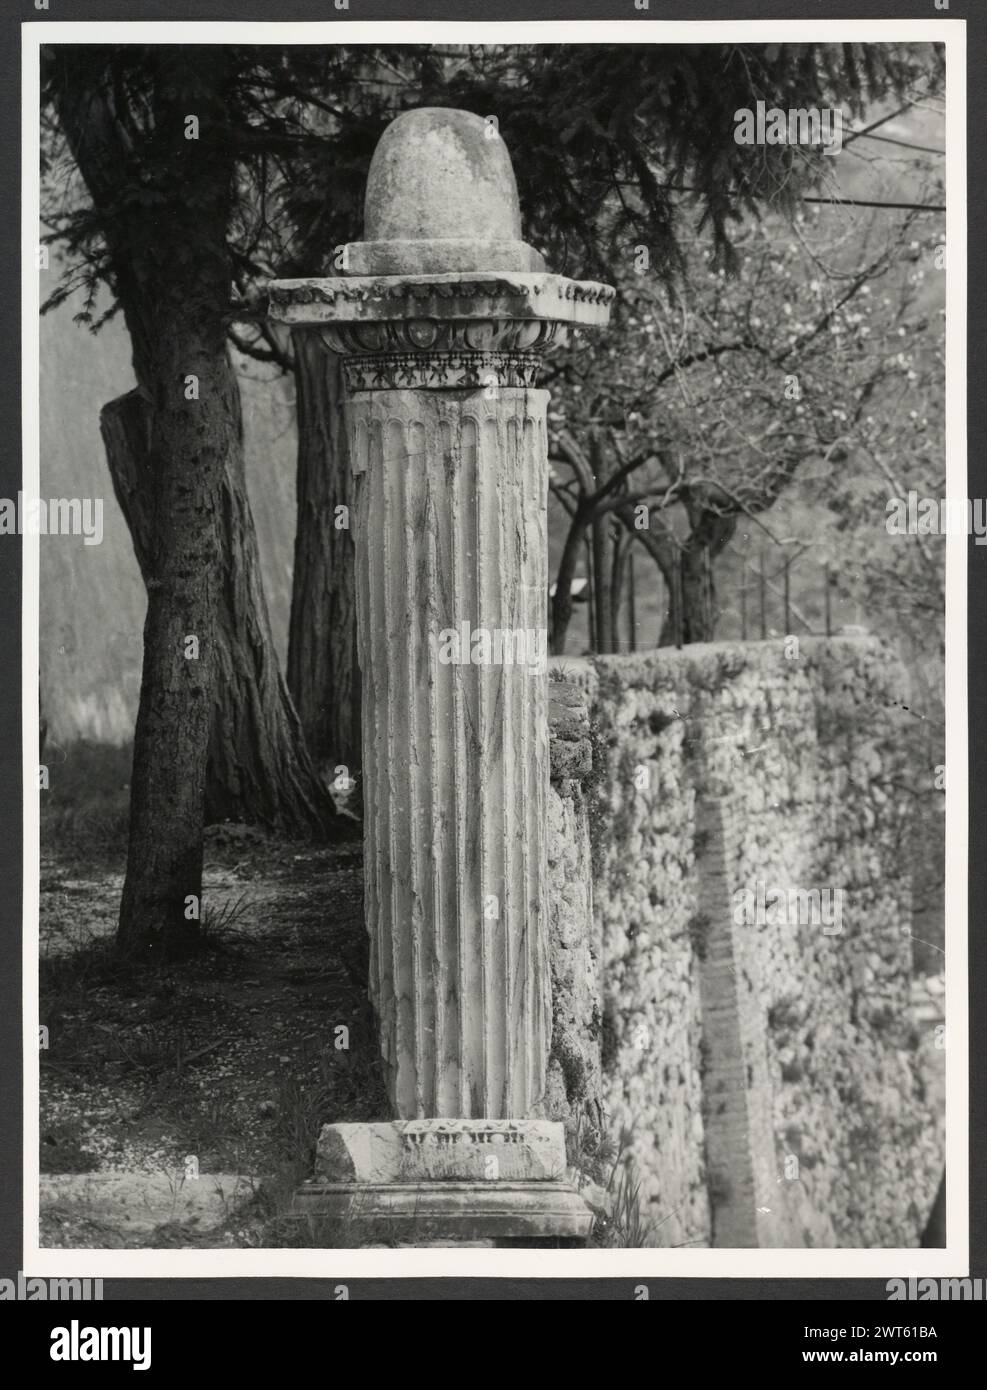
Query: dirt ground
pixel 234 1058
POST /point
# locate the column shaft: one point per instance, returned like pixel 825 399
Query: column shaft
pixel 451 539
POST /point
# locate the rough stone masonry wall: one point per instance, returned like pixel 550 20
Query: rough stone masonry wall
pixel 763 1080
pixel 575 1083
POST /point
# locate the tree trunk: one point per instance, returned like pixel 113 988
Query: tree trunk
pixel 688 571
pixel 171 272
pixel 125 424
pixel 620 553
pixel 561 606
pixel 190 443
pixel 601 538
pixel 323 674
pixel 665 551
pixel 258 769
pixel 687 568
pixel 602 579
pixel 592 475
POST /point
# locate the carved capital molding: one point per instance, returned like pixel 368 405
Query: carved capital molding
pixel 384 371
pixel 348 299
pixel 441 331
pixel 438 336
pixel 442 353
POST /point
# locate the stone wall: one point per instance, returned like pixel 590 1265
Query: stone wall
pixel 764 1075
pixel 575 1082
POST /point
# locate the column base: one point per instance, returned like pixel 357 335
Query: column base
pixel 447 1212
pixel 444 1181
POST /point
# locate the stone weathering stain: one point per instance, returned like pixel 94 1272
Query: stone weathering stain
pixel 424 164
pixel 441 317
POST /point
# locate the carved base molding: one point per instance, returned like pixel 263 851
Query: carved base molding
pixel 444 1181
pixel 447 1212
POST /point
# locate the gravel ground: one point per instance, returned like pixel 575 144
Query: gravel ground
pixel 231 1060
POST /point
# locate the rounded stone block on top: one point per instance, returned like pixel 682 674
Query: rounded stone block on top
pixel 439 173
pixel 441 196
pixel 460 254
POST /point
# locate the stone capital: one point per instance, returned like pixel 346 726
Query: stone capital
pixel 443 293
pixel 439 331
pixel 371 300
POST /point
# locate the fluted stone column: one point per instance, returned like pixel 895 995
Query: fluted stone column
pixel 442 315
pixel 451 489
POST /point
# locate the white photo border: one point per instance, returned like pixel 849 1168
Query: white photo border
pixel 884 1264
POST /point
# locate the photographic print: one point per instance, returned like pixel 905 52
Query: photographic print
pixel 488 648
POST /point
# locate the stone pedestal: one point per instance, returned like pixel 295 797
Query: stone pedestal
pixel 426 1180
pixel 441 320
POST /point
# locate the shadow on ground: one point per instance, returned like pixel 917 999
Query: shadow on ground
pixel 227 1062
